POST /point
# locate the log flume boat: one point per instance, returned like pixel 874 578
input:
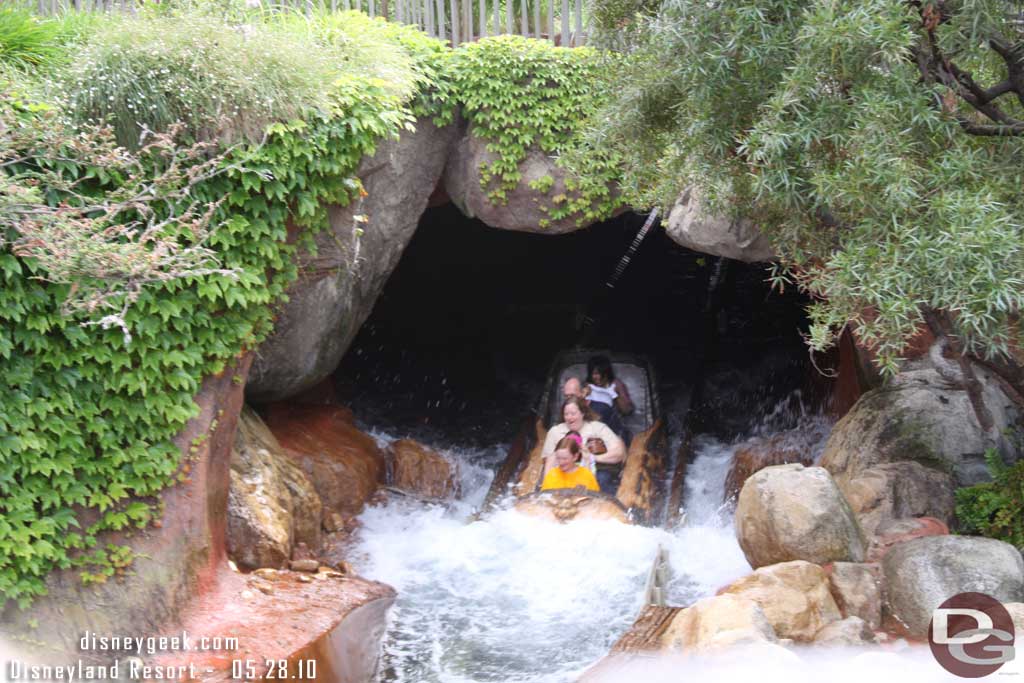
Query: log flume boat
pixel 641 492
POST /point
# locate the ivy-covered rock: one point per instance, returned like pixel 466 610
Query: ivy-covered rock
pixel 339 284
pixel 922 417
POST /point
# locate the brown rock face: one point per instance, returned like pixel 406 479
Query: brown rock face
pixel 759 453
pixel 899 490
pixel 272 504
pixel 344 464
pixel 849 632
pixel 856 588
pixel 795 598
pixel 417 469
pixel 789 512
pixel 175 562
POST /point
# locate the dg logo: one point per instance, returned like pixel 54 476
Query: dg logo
pixel 971 635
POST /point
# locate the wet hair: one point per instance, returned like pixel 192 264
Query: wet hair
pixel 602 365
pixel 580 403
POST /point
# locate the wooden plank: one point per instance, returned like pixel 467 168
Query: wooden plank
pixel 565 23
pixel 483 18
pixel 551 20
pixel 497 21
pixel 578 38
pixel 467 21
pixel 508 16
pixel 524 23
pixel 372 13
pixel 536 19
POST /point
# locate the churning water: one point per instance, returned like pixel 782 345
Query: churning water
pixel 514 599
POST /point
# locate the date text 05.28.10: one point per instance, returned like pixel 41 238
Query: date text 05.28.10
pixel 273 669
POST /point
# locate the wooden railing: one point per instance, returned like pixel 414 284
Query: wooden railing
pixel 457 21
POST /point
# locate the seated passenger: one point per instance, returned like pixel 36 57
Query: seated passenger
pixel 568 475
pixel 599 442
pixel 608 397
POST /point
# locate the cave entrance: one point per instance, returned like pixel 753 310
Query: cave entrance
pixel 459 342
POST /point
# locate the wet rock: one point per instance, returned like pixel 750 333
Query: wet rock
pixel 718 622
pixel 524 207
pixel 922 573
pixel 892 533
pixel 333 522
pixel 848 632
pixel 795 598
pixel 267 574
pixel 1016 610
pixel 344 464
pixel 759 453
pixel 690 225
pixel 898 490
pixel 792 512
pixel 417 469
pixel 271 502
pixel 304 565
pixel 856 588
pixel 339 286
pixel 920 416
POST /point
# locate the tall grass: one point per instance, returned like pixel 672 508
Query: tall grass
pixel 27 43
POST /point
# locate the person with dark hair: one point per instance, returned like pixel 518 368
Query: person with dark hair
pixel 608 397
pixel 599 442
pixel 568 474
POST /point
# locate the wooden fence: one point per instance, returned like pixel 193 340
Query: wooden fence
pixel 457 21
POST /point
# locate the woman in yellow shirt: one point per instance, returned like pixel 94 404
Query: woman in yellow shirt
pixel 568 474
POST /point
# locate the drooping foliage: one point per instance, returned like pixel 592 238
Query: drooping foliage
pixel 996 508
pixel 877 143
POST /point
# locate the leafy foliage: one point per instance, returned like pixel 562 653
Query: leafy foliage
pixel 519 93
pixel 996 508
pixel 87 417
pixel 837 127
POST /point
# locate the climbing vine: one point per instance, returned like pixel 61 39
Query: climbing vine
pixel 520 94
pixel 87 415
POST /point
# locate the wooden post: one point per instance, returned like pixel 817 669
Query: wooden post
pixel 455 22
pixel 551 21
pixel 372 13
pixel 483 18
pixel 579 24
pixel 497 21
pixel 467 21
pixel 565 23
pixel 536 19
pixel 508 16
pixel 439 4
pixel 524 22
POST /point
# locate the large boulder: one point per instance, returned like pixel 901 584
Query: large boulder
pixel 921 417
pixel 690 225
pixel 718 622
pixel 795 598
pixel 849 632
pixel 760 452
pixel 899 490
pixel 923 573
pixel 338 287
pixel 272 505
pixel 856 588
pixel 523 208
pixel 345 464
pixel 417 469
pixel 792 512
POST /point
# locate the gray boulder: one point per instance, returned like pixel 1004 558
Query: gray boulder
pixel 337 289
pixel 921 417
pixel 923 573
pixel 524 208
pixel 690 225
pixel 792 512
pixel 272 505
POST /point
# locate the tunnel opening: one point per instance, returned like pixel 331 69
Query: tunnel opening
pixel 459 342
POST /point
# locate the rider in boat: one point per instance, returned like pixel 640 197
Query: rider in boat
pixel 599 441
pixel 568 474
pixel 608 397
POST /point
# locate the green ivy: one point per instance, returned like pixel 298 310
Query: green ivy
pixel 517 94
pixel 88 418
pixel 995 509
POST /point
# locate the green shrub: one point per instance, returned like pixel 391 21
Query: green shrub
pixel 996 508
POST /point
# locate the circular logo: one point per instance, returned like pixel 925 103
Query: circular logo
pixel 971 635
